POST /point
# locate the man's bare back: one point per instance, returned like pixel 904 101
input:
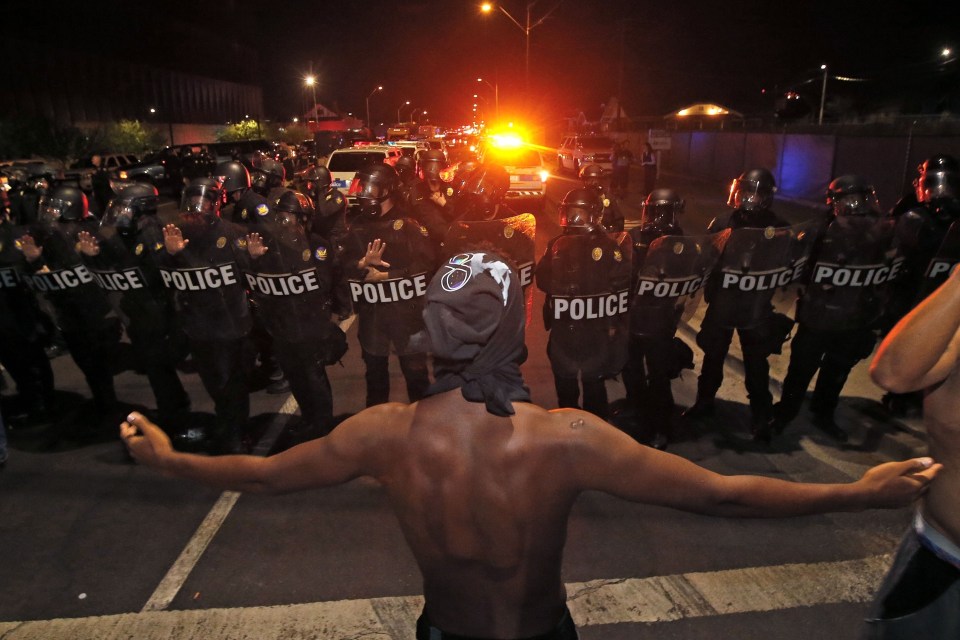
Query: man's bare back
pixel 483 483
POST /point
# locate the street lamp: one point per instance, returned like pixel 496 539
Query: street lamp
pixel 423 111
pixel 311 81
pixel 823 93
pixel 398 110
pixel 379 88
pixel 488 7
pixel 496 94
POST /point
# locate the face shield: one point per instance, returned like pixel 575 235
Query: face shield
pixel 663 212
pixel 576 216
pixel 938 185
pixel 858 203
pixel 370 198
pixel 51 210
pixel 202 200
pixel 120 216
pixel 749 195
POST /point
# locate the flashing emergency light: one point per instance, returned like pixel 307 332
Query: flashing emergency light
pixel 506 140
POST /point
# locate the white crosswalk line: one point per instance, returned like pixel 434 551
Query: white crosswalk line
pixel 632 600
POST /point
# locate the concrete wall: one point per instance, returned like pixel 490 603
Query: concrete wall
pixel 804 164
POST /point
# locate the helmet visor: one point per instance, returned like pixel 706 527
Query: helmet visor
pixel 370 189
pixel 748 195
pixel 575 216
pixel 858 203
pixel 202 199
pixel 938 185
pixel 119 215
pixel 52 209
pixel 659 210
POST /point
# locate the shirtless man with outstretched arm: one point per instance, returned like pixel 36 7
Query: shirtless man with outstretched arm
pixel 483 482
pixel 923 352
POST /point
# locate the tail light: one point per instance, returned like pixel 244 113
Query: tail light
pixel 354 186
pixel 544 174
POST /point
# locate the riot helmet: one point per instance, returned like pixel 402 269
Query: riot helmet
pixel 938 185
pixel 406 167
pixel 592 176
pixel 752 191
pixel 320 179
pixel 375 184
pixel 661 207
pixel 131 202
pixel 580 209
pixel 66 203
pixel 293 206
pixel 939 162
pixel 852 195
pixel 432 162
pixel 269 175
pixel 235 177
pixel 202 197
pixel 464 171
pixel 483 191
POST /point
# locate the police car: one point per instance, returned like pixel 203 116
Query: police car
pixel 344 164
pixel 524 164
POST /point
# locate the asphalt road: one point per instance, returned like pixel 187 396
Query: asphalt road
pixel 97 547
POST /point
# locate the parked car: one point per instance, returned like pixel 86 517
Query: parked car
pixel 83 169
pixel 575 151
pixel 528 173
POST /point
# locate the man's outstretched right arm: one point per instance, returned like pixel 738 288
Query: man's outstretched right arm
pixel 345 454
pixel 923 348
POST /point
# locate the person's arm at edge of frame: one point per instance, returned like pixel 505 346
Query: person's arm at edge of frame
pixel 923 348
pixel 605 459
pixel 333 459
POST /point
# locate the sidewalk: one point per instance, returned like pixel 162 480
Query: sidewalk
pixel 860 413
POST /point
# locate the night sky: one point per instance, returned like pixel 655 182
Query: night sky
pixel 658 55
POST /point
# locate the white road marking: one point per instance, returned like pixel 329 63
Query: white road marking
pixel 631 600
pixel 178 573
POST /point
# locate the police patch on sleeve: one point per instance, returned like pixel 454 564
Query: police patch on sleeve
pixel 321 253
pixel 262 209
pixel 138 249
pixel 221 242
pixel 596 254
pixel 508 231
pixel 397 225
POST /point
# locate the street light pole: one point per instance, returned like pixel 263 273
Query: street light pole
pixel 369 124
pixel 488 7
pixel 823 93
pixel 496 94
pixel 398 110
pixel 311 81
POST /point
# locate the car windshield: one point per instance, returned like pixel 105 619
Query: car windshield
pixel 82 163
pixel 354 161
pixel 516 157
pixel 596 142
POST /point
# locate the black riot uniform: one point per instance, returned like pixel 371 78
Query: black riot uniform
pixel 21 333
pixel 82 311
pixel 839 310
pixel 248 206
pixel 123 260
pixel 428 196
pixel 923 232
pixel 292 282
pixel 406 167
pixel 652 352
pixel 611 218
pixel 206 278
pixel 388 299
pixel 585 274
pixel 735 306
pixel 329 221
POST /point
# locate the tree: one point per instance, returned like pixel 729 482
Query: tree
pixel 243 130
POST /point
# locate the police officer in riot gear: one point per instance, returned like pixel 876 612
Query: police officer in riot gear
pixel 923 231
pixel 406 167
pixel 751 195
pixel 82 311
pixel 201 263
pixel 121 257
pixel 388 260
pixel 611 218
pixel 329 221
pixel 940 162
pixel 839 311
pixel 428 196
pixel 21 333
pixel 291 279
pixel 653 353
pixel 584 267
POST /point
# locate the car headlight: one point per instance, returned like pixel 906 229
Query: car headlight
pixel 123 175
